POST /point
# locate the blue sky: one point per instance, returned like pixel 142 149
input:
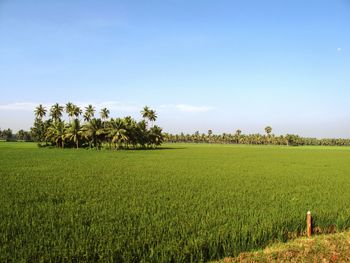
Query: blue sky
pixel 202 65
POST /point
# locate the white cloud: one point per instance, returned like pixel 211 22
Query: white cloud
pixel 21 106
pixel 339 49
pixel 186 108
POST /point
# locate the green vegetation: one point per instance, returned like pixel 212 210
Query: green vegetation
pixel 253 139
pixel 180 203
pixel 322 248
pixel 6 135
pixel 94 132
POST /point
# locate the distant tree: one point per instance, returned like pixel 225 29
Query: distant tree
pixel 38 130
pixel 56 133
pixel 268 130
pixel 152 116
pixel 70 110
pixel 104 114
pixel 293 140
pixel 20 135
pixel 40 111
pixel 210 132
pixel 148 115
pixel 89 112
pixel 77 111
pixel 93 131
pixel 155 136
pixel 145 112
pixel 56 112
pixel 238 136
pixel 73 132
pixel 122 132
pixel 23 135
pixel 117 132
pixel 6 134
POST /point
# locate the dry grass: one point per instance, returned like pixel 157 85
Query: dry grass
pixel 323 248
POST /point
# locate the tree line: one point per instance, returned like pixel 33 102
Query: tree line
pixel 83 129
pixel 238 137
pixel 128 133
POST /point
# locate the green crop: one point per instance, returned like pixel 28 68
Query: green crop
pixel 181 203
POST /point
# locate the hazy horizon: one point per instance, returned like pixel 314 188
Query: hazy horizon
pixel 201 65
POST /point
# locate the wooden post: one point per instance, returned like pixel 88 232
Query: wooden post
pixel 308 224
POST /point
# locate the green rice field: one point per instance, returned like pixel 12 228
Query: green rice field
pixel 181 203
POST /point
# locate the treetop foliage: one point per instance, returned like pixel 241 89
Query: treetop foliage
pixel 94 132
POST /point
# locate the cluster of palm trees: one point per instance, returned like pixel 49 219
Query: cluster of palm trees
pixel 257 139
pixel 6 134
pixel 113 133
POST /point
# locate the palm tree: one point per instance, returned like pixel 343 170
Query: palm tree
pixel 117 132
pixel 93 131
pixel 104 114
pixel 20 135
pixel 145 113
pixel 89 112
pixel 56 133
pixel 210 132
pixel 124 132
pixel 238 135
pixel 70 110
pixel 131 127
pixel 141 133
pixel 77 111
pixel 86 117
pixel 155 136
pixel 56 112
pixel 268 130
pixel 152 116
pixel 73 132
pixel 40 111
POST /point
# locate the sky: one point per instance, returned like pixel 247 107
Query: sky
pixel 220 65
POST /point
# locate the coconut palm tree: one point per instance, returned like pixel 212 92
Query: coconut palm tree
pixel 93 131
pixel 73 132
pixel 56 133
pixel 86 117
pixel 20 135
pixel 117 132
pixel 155 136
pixel 56 112
pixel 104 113
pixel 40 111
pixel 268 130
pixel 152 116
pixel 141 133
pixel 238 136
pixel 145 113
pixel 89 112
pixel 124 132
pixel 210 132
pixel 70 110
pixel 77 111
pixel 131 127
